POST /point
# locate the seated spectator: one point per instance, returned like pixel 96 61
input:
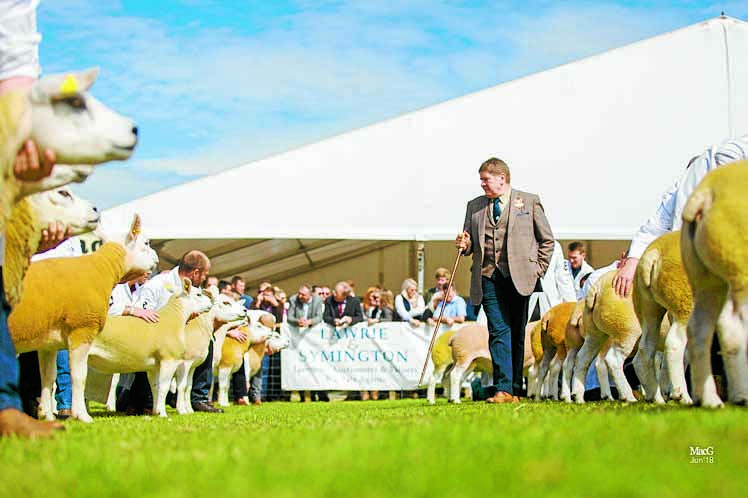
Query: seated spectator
pixel 374 311
pixel 224 288
pixel 387 303
pixel 305 308
pixel 211 281
pixel 282 301
pixel 409 304
pixel 442 278
pixel 455 308
pixel 269 373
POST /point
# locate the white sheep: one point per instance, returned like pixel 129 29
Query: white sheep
pixel 715 251
pixel 59 114
pixel 65 303
pixel 661 288
pixel 198 334
pixel 606 316
pixel 24 230
pixel 441 359
pixel 469 354
pixel 233 353
pixel 128 344
pixel 553 339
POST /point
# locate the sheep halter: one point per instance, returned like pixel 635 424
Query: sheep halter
pixel 439 320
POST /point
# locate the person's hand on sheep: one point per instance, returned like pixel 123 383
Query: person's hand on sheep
pixel 269 350
pixel 149 316
pixel 238 335
pixel 53 236
pixel 624 280
pixel 28 167
pixel 372 321
pixel 415 323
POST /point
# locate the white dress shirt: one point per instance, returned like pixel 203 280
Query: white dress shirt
pixel 667 218
pixel 156 292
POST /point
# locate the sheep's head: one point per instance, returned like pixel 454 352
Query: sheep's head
pixel 228 310
pixel 261 325
pixel 61 205
pixel 78 128
pixel 277 342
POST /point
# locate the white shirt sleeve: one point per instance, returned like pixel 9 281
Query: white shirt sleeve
pixel 150 296
pixel 19 39
pixel 564 282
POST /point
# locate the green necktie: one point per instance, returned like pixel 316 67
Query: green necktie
pixel 496 210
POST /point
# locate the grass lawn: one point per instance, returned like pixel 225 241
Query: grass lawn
pixel 389 448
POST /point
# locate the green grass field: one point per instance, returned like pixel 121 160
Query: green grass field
pixel 389 448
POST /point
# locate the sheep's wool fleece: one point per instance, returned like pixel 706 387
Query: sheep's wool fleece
pixel 442 353
pixel 139 344
pixel 468 340
pixel 232 354
pixel 558 319
pixel 609 312
pixel 69 294
pixel 661 269
pixel 15 125
pixel 720 239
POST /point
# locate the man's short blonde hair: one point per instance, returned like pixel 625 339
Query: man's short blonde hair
pixel 495 167
pixel 442 273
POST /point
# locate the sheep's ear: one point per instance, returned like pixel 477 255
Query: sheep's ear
pixel 134 229
pixel 87 78
pixel 186 285
pixel 208 294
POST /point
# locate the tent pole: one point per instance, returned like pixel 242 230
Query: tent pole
pixel 421 255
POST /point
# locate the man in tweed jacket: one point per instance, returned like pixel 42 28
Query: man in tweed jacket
pixel 511 242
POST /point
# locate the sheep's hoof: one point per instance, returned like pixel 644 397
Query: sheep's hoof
pixel 84 417
pixel 686 400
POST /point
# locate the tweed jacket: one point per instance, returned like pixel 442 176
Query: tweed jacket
pixel 529 241
pixel 296 310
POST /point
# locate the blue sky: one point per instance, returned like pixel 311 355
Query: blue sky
pixel 217 84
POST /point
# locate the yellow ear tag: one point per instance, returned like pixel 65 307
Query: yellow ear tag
pixel 69 86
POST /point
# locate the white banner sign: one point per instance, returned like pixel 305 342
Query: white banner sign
pixel 383 356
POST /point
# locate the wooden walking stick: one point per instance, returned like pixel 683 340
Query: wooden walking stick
pixel 441 313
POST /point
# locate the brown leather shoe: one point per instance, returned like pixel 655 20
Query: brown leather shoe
pixel 502 397
pixel 64 414
pixel 241 402
pixel 14 422
pixel 257 402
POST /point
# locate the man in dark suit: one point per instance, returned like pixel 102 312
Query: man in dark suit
pixel 511 242
pixel 342 309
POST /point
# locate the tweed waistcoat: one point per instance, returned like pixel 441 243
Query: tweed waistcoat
pixel 494 244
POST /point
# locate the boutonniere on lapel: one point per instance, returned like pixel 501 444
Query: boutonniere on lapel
pixel 519 205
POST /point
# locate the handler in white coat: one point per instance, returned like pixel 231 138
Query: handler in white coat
pixel 557 283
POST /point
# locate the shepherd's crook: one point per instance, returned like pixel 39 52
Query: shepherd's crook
pixel 441 313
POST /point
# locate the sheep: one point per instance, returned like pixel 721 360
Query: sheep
pixel 59 114
pixel 714 252
pixel 661 290
pixel 128 344
pixel 65 305
pixel 441 359
pixel 553 340
pixel 469 353
pixel 606 315
pixel 233 353
pixel 534 348
pixel 198 333
pixel 24 230
pixel 574 339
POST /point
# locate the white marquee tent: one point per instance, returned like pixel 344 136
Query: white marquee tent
pixel 599 139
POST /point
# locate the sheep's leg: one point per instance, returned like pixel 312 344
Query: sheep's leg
pixel 181 374
pixel 662 374
pixel 555 369
pixel 212 384
pixel 543 372
pixel 532 381
pixel 566 371
pixel 732 341
pixel 592 344
pixel 614 358
pixel 437 374
pixel 708 303
pixel 188 390
pixel 78 373
pixel 455 380
pixel 601 368
pixel 224 373
pixel 675 349
pixel 48 373
pixel 644 361
pixel 165 372
pixel 111 399
pixel 447 380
